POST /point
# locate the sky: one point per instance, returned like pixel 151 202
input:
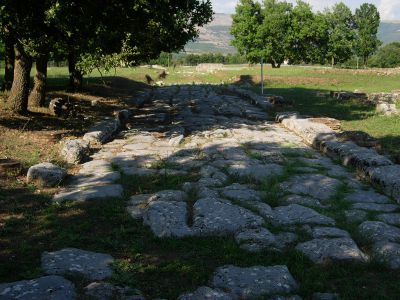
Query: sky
pixel 388 9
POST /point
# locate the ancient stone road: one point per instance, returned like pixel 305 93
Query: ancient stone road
pixel 252 175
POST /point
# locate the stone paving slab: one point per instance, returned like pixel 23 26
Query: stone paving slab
pixel 336 249
pixel 44 288
pixel 295 214
pixel 92 265
pixel 254 282
pixel 315 185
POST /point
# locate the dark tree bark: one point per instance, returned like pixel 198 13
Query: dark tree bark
pixel 75 77
pixel 9 64
pixel 18 99
pixel 37 96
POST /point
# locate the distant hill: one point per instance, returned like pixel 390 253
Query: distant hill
pixel 389 31
pixel 215 37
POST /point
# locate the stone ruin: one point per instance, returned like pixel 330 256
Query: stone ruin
pixel 209 67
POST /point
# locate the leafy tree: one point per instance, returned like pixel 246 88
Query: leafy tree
pixel 367 22
pixel 341 33
pixel 245 25
pixel 307 35
pixel 273 31
pixel 387 56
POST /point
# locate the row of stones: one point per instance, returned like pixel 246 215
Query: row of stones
pixel 379 169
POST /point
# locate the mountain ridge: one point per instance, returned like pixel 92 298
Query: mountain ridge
pixel 215 37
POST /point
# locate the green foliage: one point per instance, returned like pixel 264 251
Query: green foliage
pixel 367 21
pixel 277 31
pixel 307 35
pixel 245 24
pixel 273 31
pixel 387 57
pixel 341 33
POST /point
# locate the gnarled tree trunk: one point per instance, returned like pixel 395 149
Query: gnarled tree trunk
pixel 9 57
pixel 37 96
pixel 18 99
pixel 75 76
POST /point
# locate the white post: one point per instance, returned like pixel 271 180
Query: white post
pixel 262 76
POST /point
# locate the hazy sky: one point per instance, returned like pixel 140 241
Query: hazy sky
pixel 389 9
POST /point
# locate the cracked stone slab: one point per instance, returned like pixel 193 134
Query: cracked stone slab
pixel 240 193
pixel 295 214
pixel 263 209
pixel 254 282
pixel 92 265
pixel 315 185
pixel 167 218
pixel 205 293
pixel 328 232
pixel 336 249
pixel 377 231
pixel 366 197
pixel 376 207
pixel 387 253
pixel 43 288
pixel 390 218
pixel 218 216
pixel 90 193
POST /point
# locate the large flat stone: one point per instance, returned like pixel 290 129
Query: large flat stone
pixel 254 282
pixel 218 216
pixel 337 249
pixel 366 197
pixel 240 192
pixel 314 185
pixel 167 218
pixel 91 193
pixel 43 288
pixel 378 231
pixel 255 240
pixel 257 172
pixel 92 265
pixel 295 214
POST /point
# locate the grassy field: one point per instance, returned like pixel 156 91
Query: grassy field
pixel 30 224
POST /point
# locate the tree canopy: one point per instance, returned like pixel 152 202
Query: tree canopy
pixel 277 31
pixel 92 34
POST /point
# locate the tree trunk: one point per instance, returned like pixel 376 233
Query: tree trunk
pixel 75 76
pixel 18 99
pixel 273 64
pixel 38 93
pixel 9 65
